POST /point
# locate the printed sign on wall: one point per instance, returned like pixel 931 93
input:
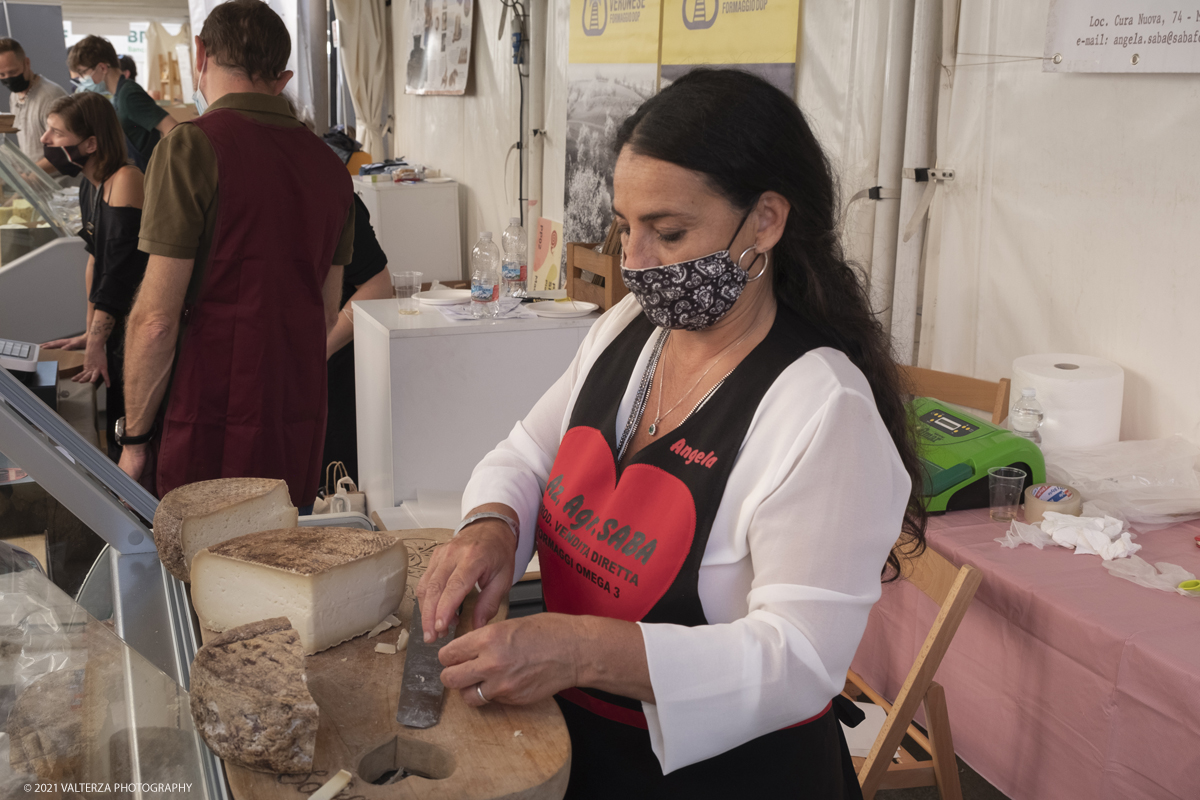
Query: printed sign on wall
pixel 547 257
pixel 439 52
pixel 1119 36
pixel 758 36
pixel 613 70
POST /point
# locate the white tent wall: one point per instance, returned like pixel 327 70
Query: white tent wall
pixel 1070 225
pixel 468 137
pixel 554 154
pixel 840 82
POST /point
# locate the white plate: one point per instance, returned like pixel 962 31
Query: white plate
pixel 567 308
pixel 444 297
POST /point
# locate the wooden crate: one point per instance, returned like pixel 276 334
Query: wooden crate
pixel 581 257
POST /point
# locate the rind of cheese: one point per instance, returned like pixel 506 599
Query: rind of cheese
pixel 250 698
pixel 332 583
pixel 199 515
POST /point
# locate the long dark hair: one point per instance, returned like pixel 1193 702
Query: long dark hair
pixel 747 137
pixel 88 114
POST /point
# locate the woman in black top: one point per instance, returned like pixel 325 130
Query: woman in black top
pixel 366 278
pixel 83 136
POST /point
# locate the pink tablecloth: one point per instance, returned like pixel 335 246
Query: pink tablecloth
pixel 1063 681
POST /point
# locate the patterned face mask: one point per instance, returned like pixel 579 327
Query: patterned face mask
pixel 690 295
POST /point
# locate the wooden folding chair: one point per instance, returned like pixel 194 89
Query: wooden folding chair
pixel 959 389
pixel 952 589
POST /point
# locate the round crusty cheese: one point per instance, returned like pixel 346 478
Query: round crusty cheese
pixel 199 515
pixel 250 698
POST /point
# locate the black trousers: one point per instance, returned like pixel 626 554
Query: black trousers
pixel 609 759
pixel 115 409
pixel 341 428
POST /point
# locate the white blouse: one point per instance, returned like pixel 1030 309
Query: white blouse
pixel 792 566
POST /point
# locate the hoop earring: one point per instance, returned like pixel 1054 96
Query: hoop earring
pixel 742 257
pixel 766 263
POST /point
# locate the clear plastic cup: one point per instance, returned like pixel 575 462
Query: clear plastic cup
pixel 407 284
pixel 1004 488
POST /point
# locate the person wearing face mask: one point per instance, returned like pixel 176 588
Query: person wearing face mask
pixel 715 486
pixel 30 99
pixel 249 224
pixel 145 122
pixel 83 137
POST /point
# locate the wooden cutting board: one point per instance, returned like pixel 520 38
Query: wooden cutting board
pixel 492 753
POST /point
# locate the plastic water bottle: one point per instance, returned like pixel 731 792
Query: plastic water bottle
pixel 1027 416
pixel 515 270
pixel 485 277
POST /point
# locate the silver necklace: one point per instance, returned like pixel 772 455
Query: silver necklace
pixel 641 398
pixel 662 386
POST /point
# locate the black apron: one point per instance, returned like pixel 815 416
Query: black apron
pixel 627 544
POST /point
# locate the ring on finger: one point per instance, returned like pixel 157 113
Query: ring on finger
pixel 479 691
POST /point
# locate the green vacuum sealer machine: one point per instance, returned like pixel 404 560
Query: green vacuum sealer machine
pixel 957 450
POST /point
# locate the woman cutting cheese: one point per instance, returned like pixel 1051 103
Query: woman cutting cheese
pixel 713 487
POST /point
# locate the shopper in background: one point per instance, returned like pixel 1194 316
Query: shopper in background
pixel 128 67
pixel 144 121
pixel 249 222
pixel 84 136
pixel 366 278
pixel 31 98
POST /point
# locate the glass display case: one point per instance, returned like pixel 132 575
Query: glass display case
pixel 92 689
pixel 94 664
pixel 42 260
pixel 34 209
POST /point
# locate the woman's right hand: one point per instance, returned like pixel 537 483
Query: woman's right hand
pixel 95 364
pixel 484 553
pixel 71 343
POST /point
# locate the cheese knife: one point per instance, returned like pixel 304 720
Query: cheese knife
pixel 421 687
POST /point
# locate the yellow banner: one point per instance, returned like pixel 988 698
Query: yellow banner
pixel 729 31
pixel 614 31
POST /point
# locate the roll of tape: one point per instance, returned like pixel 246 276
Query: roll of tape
pixel 1191 587
pixel 1043 497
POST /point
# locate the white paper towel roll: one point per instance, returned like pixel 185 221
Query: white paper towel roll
pixel 1080 394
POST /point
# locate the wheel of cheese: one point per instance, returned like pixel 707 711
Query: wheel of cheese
pixel 332 583
pixel 203 514
pixel 250 699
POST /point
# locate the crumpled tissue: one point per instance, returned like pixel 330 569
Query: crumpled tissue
pixel 1097 536
pixel 1166 577
pixel 510 308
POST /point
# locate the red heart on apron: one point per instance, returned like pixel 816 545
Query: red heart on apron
pixel 649 515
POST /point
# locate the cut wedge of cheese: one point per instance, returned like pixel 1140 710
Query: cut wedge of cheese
pixel 250 698
pixel 332 583
pixel 203 514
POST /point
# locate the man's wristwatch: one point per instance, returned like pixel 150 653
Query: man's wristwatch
pixel 123 440
pixel 512 523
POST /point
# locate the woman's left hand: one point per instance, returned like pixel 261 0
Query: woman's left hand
pixel 95 364
pixel 518 661
pixel 70 343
